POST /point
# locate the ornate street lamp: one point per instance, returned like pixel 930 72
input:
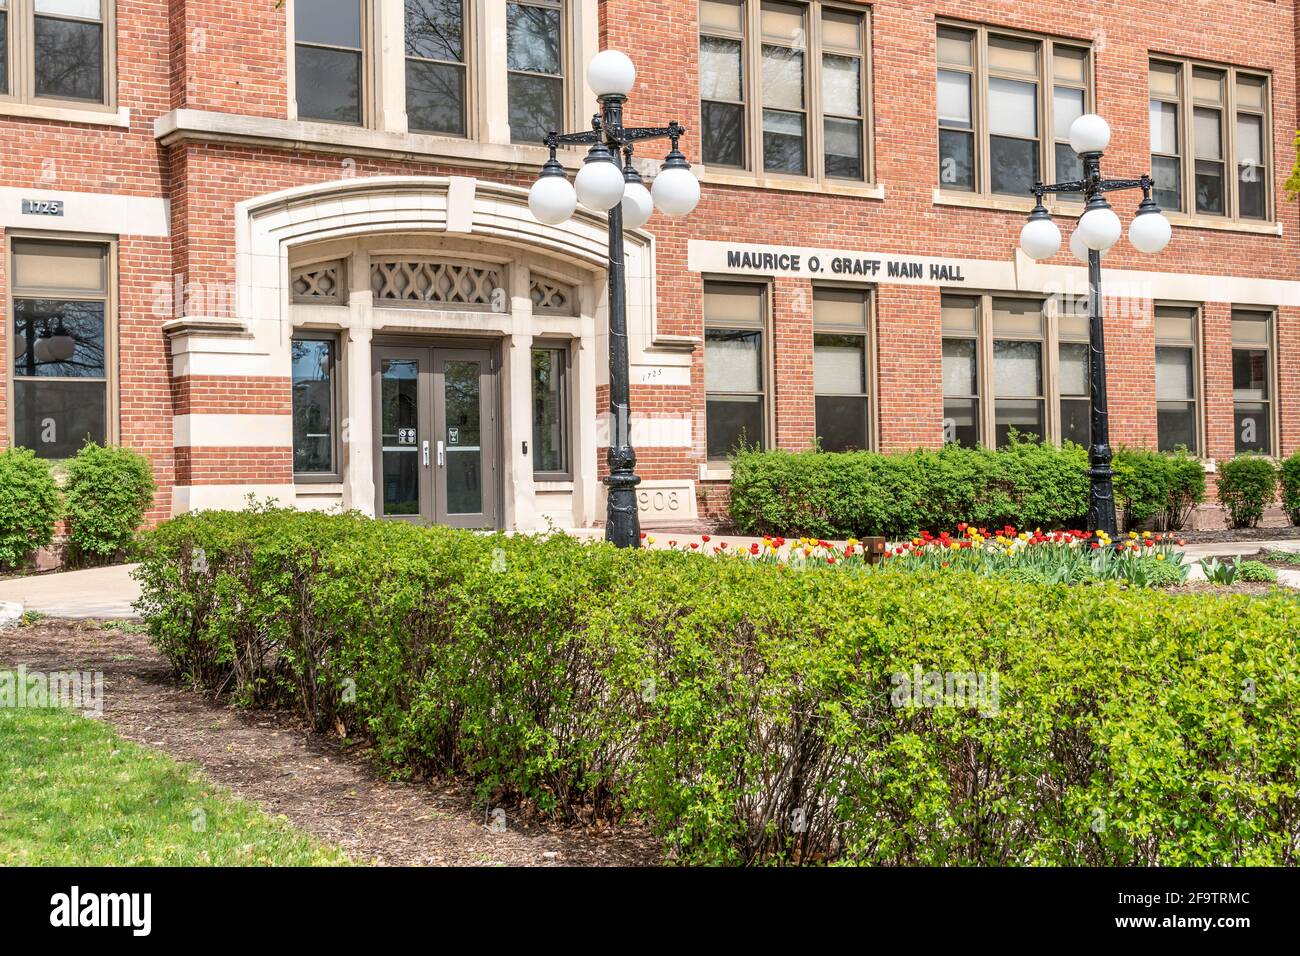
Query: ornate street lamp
pixel 606 185
pixel 1098 229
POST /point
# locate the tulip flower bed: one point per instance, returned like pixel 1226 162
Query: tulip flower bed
pixel 751 713
pixel 1057 557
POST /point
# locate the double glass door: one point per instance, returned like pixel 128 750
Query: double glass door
pixel 436 429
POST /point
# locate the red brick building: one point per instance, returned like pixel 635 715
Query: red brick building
pixel 285 247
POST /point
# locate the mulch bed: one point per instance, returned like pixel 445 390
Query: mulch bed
pixel 1244 535
pixel 321 784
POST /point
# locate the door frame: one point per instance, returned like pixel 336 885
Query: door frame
pixel 425 346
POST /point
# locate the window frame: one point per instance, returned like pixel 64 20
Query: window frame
pixel 1195 344
pixel 867 332
pixel 1270 371
pixel 335 475
pixel 371 55
pixel 469 66
pixel 1050 358
pixel 563 348
pixel 21 60
pixel 567 42
pixel 980 73
pixel 752 42
pixel 1228 109
pixel 112 406
pixel 1059 337
pixel 766 366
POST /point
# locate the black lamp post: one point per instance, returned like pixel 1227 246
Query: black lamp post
pixel 605 184
pixel 1099 229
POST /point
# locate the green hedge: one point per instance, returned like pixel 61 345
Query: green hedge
pixel 1247 486
pixel 29 505
pixel 1289 481
pixel 108 490
pixel 1027 485
pixel 744 711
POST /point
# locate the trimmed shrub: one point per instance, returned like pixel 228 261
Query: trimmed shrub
pixel 754 712
pixel 1289 479
pixel 108 490
pixel 1026 485
pixel 1256 571
pixel 29 505
pixel 1247 485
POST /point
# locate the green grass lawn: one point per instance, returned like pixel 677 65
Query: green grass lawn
pixel 72 793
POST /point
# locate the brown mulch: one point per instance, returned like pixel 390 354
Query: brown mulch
pixel 321 784
pixel 1244 535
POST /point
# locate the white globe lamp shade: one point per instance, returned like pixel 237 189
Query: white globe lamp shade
pixel 676 191
pixel 638 206
pixel 41 349
pixel 611 73
pixel 60 347
pixel 552 199
pixel 1100 228
pixel 1089 134
pixel 1150 232
pixel 599 184
pixel 20 346
pixel 1078 249
pixel 1040 238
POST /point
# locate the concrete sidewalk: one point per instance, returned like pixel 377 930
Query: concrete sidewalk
pixel 95 592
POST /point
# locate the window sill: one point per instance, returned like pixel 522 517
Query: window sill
pixel 120 117
pixel 830 188
pixel 319 484
pixel 715 471
pixel 182 126
pixel 552 484
pixel 996 203
pixel 1182 221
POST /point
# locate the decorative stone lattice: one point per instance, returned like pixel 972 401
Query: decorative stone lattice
pixel 320 283
pixel 551 297
pixel 437 283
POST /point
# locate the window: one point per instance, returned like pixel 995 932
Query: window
pixel 805 67
pixel 56 50
pixel 996 94
pixel 550 417
pixel 315 406
pixel 1074 372
pixel 1177 417
pixel 435 66
pixel 535 69
pixel 1018 369
pixel 328 60
pixel 61 330
pixel 1252 380
pixel 1014 363
pixel 735 379
pixel 840 363
pixel 961 370
pixel 1209 140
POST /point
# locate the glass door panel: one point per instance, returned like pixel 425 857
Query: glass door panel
pixel 403 484
pixel 465 426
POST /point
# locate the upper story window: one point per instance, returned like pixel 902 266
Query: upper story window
pixel 784 88
pixel 456 77
pixel 1210 143
pixel 1005 104
pixel 535 69
pixel 329 55
pixel 435 66
pixel 56 50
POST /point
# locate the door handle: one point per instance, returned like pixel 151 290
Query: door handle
pixel 426 454
pixel 442 457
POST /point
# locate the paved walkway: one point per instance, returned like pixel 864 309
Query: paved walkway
pixel 96 592
pixel 110 592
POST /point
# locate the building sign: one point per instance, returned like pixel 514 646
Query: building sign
pixel 846 264
pixel 42 207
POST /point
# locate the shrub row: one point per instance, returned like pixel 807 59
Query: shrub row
pixel 105 493
pixel 753 713
pixel 1027 485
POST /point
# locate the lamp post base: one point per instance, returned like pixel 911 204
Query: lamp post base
pixel 622 518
